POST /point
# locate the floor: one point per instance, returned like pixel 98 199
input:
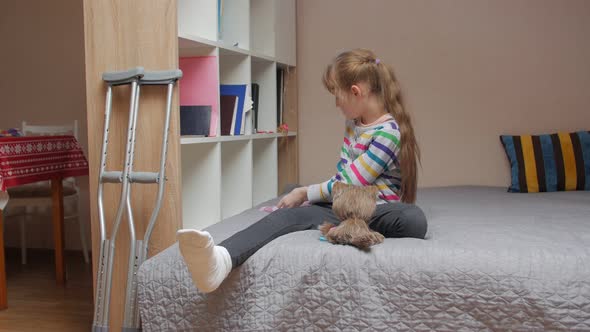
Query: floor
pixel 36 303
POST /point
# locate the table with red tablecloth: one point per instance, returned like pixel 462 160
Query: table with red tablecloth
pixel 29 159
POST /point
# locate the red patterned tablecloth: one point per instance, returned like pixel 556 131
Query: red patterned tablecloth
pixel 30 159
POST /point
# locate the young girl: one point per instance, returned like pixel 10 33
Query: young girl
pixel 379 149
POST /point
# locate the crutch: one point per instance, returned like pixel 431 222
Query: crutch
pixel 107 246
pixel 138 249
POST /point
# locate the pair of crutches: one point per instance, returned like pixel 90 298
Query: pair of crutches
pixel 135 77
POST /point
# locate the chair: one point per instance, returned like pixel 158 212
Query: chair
pixel 36 197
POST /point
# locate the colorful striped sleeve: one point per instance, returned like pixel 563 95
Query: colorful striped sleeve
pixel 365 169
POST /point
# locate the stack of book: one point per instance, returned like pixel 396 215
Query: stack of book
pixel 237 109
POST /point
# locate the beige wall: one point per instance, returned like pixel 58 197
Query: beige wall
pixel 42 81
pixel 470 70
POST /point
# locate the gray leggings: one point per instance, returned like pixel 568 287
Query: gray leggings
pixel 390 219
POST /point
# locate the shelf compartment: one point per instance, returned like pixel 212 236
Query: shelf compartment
pixel 201 185
pixel 264 74
pixel 285 31
pixel 236 177
pixel 200 85
pixel 262 31
pixel 235 23
pixel 198 18
pixel 234 69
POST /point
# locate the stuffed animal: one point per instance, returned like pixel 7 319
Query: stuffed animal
pixel 354 206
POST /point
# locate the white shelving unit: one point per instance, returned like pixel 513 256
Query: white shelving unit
pixel 224 175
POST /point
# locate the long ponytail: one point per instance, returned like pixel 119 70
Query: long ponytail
pixel 361 65
pixel 409 154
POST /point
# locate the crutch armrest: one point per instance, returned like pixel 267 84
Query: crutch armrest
pixel 161 77
pixel 123 77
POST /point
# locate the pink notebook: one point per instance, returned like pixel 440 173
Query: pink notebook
pixel 200 86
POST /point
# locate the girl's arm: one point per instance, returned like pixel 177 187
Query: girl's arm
pixel 381 153
pixel 294 199
pixel 299 195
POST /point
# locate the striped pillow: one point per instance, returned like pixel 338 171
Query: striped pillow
pixel 556 162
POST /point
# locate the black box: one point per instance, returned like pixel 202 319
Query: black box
pixel 195 120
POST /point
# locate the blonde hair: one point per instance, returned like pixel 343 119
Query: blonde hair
pixel 362 65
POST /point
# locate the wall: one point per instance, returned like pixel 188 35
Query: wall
pixel 470 71
pixel 42 82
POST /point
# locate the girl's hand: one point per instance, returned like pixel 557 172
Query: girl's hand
pixel 294 199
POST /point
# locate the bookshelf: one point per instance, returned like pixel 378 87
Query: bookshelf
pixel 247 43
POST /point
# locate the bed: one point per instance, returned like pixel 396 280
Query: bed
pixel 492 260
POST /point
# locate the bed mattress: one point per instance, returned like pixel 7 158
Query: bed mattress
pixel 491 260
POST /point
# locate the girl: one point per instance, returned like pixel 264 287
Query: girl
pixel 379 149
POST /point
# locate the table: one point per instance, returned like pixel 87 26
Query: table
pixel 30 159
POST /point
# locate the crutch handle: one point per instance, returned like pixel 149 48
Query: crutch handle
pixel 134 177
pixel 161 77
pixel 123 77
pixel 144 177
pixel 112 177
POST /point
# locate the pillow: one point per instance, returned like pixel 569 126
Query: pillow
pixel 552 162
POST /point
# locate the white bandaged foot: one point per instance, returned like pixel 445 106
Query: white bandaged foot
pixel 208 264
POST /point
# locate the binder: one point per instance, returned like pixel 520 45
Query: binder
pixel 280 95
pixel 255 94
pixel 229 107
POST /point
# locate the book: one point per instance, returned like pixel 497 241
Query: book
pixel 245 128
pixel 255 94
pixel 195 120
pixel 229 107
pixel 247 123
pixel 239 90
pixel 200 85
pixel 280 95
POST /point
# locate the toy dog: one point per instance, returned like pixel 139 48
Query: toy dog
pixel 354 206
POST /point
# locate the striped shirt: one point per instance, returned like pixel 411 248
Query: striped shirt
pixel 368 157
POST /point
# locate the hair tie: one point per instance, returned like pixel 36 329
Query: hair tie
pixel 377 61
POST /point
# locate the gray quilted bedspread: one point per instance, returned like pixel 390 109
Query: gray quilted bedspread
pixel 492 261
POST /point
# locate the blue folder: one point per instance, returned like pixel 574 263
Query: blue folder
pixel 240 91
